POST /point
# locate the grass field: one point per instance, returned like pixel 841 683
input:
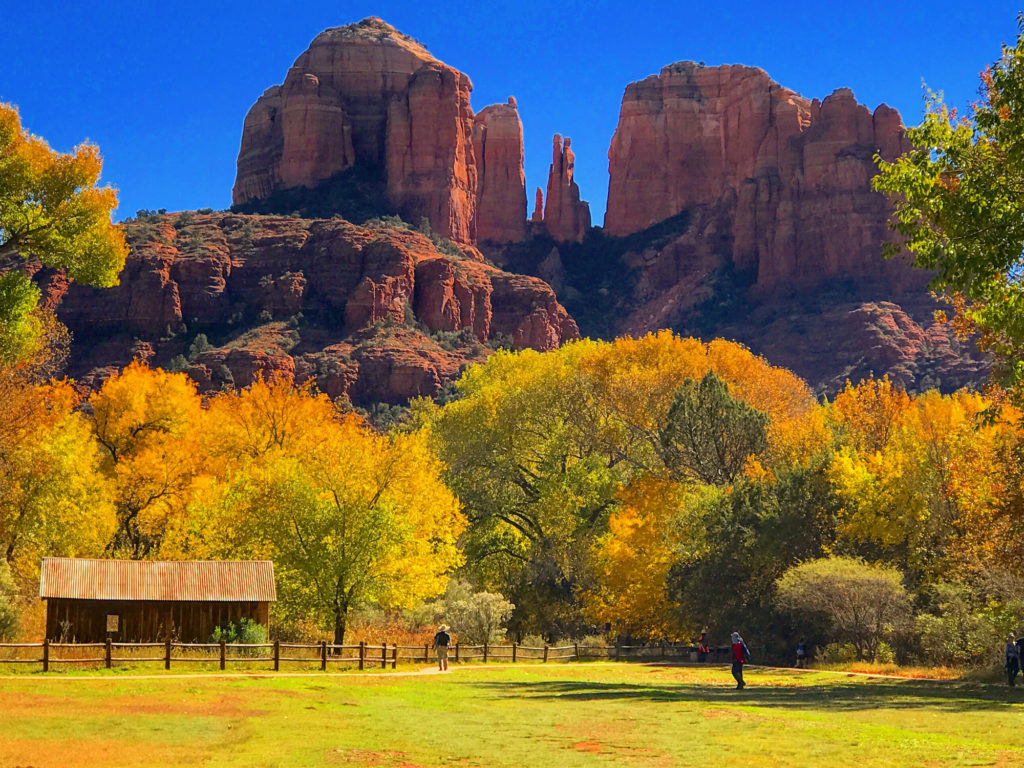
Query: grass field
pixel 538 716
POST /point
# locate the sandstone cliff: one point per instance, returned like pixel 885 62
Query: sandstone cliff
pixel 566 217
pixel 367 96
pixel 788 178
pixel 501 184
pixel 378 314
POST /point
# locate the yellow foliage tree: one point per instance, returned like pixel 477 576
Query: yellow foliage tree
pixel 53 498
pixel 348 516
pixel 51 210
pixel 632 561
pixel 148 423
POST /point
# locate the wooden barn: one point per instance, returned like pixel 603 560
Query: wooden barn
pixel 149 601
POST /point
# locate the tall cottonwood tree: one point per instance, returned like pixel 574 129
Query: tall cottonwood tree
pixel 52 212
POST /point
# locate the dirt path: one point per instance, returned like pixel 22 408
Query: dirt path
pixel 435 671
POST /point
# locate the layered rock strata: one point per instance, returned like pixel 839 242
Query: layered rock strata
pixel 363 312
pixel 366 95
pixel 501 184
pixel 789 178
pixel 566 217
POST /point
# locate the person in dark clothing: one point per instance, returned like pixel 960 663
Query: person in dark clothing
pixel 441 642
pixel 1012 662
pixel 740 656
pixel 702 646
pixel 801 654
pixel 1020 652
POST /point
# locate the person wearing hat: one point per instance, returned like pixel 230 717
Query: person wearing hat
pixel 441 642
pixel 740 656
pixel 1012 661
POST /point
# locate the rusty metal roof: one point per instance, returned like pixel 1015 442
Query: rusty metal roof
pixel 213 580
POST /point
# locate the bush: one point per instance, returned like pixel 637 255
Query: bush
pixel 8 604
pixel 859 604
pixel 477 617
pixel 964 628
pixel 241 631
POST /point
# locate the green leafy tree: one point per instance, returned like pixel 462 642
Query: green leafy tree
pixel 478 617
pixel 959 207
pixel 52 211
pixel 859 603
pixel 709 434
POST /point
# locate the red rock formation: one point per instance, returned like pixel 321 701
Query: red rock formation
pixel 367 95
pixel 790 176
pixel 245 280
pixel 566 217
pixel 501 185
pixel 538 206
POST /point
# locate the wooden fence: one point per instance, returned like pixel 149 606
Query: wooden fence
pixel 323 654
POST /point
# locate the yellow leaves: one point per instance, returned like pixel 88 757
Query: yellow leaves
pixel 632 560
pixel 51 208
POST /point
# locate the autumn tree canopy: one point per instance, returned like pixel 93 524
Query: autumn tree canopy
pixel 52 212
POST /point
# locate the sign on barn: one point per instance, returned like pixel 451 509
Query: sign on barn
pixel 88 601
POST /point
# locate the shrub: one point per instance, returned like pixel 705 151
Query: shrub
pixel 859 604
pixel 241 631
pixel 478 617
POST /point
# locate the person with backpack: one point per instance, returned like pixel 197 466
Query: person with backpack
pixel 740 656
pixel 441 642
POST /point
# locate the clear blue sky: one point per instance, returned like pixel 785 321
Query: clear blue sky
pixel 163 87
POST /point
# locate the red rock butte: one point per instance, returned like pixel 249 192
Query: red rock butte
pixel 365 95
pixel 789 177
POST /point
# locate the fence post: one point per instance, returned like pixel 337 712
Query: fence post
pixel 167 654
pixel 616 650
pixel 394 655
pixel 576 650
pixel 514 646
pixel 456 652
pixel 426 652
pixel 662 650
pixel 106 653
pixel 362 654
pixel 323 655
pixel 223 653
pixel 485 653
pixel 383 655
pixel 46 654
pixel 545 653
pixel 277 655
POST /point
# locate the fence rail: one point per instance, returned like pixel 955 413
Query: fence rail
pixel 363 655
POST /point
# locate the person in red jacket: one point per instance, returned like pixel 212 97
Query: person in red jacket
pixel 740 656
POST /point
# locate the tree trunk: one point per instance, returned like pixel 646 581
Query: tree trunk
pixel 340 623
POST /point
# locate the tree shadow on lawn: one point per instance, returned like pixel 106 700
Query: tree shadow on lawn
pixel 838 696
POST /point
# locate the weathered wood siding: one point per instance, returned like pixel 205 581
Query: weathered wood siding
pixel 85 621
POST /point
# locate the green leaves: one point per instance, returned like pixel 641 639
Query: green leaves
pixel 709 434
pixel 959 205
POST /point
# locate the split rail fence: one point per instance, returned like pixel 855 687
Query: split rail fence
pixel 324 654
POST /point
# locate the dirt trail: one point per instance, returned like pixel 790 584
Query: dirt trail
pixel 434 671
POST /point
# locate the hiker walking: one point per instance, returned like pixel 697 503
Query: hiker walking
pixel 740 656
pixel 1012 662
pixel 801 654
pixel 441 642
pixel 702 646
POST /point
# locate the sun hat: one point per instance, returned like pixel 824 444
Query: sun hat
pixel 442 628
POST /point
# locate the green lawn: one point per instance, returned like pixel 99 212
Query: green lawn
pixel 537 716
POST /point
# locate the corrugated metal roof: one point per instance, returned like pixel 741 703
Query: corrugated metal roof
pixel 217 580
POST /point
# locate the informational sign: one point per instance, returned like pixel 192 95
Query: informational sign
pixel 113 622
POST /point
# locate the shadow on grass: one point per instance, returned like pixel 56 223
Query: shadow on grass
pixel 822 696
